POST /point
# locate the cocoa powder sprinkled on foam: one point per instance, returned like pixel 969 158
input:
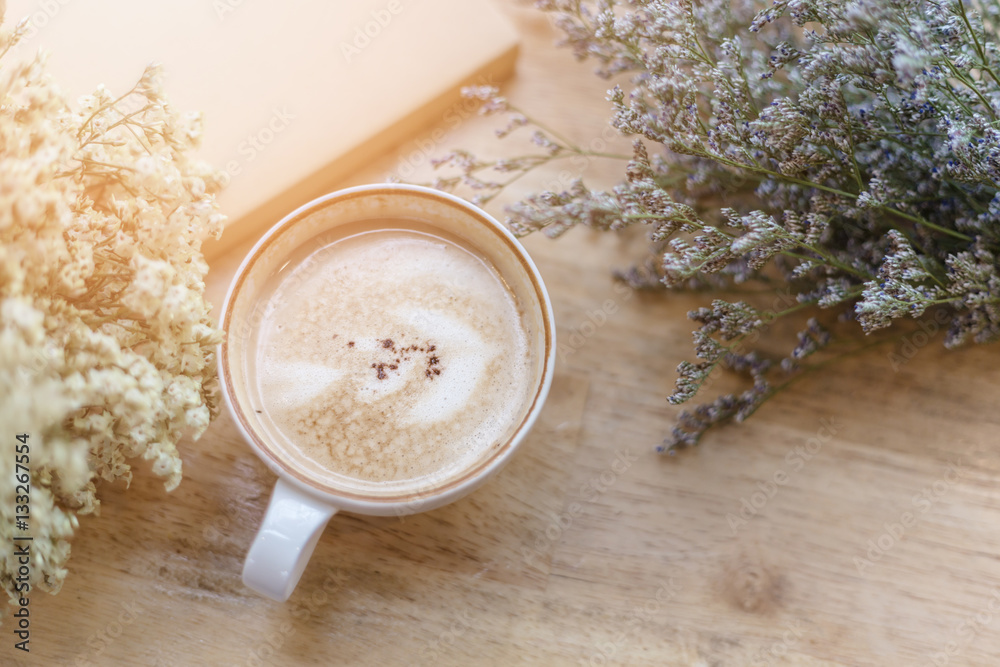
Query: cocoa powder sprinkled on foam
pixel 432 361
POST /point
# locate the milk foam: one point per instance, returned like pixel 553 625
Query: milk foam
pixel 392 356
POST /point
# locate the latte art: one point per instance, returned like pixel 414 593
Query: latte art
pixel 392 356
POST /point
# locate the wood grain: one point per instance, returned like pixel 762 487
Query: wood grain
pixel 567 558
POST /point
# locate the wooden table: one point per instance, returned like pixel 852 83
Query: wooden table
pixel 878 548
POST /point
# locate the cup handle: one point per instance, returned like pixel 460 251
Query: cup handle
pixel 286 539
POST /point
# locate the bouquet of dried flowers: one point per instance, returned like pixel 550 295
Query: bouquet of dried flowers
pixel 856 143
pixel 106 345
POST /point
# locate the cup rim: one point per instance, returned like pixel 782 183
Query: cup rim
pixel 411 501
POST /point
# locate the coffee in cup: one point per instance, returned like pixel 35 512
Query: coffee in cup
pixel 386 350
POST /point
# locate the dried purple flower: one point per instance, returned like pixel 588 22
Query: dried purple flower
pixel 857 143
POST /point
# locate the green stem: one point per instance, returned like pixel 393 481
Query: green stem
pixel 971 85
pixel 842 193
pixel 975 40
pixel 850 141
pixel 827 259
pixel 545 128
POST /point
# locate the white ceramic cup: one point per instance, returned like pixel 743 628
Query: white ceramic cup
pixel 303 500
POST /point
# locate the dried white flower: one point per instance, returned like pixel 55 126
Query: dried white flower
pixel 106 345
